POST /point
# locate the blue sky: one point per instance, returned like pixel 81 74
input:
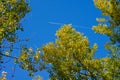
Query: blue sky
pixel 46 18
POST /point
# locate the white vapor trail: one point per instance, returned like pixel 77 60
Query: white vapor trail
pixel 55 23
pixel 82 27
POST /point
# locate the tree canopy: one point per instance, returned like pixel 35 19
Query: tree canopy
pixel 11 13
pixel 70 56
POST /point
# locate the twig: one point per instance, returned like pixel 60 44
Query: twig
pixel 13 57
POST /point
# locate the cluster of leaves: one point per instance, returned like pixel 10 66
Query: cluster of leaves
pixel 68 57
pixel 111 25
pixel 11 12
pixel 29 60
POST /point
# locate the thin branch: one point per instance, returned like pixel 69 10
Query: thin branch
pixel 13 57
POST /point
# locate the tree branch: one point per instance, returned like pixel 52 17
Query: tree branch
pixel 13 57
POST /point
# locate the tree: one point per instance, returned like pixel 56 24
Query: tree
pixel 68 56
pixel 11 14
pixel 110 26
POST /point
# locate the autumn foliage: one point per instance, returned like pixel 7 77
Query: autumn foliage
pixel 70 56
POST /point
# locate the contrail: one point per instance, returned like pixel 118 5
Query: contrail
pixel 55 23
pixel 82 27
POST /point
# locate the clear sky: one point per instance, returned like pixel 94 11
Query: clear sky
pixel 47 16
